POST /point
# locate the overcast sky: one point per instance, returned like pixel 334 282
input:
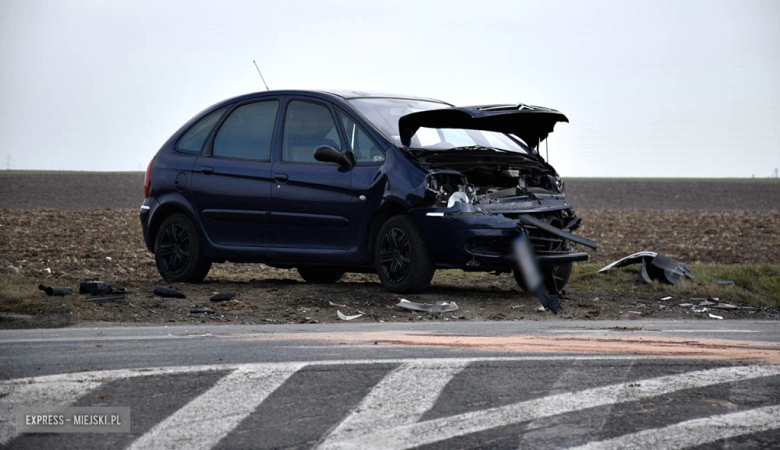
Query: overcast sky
pixel 683 88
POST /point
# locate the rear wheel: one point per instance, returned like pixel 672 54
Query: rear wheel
pixel 320 275
pixel 178 252
pixel 401 258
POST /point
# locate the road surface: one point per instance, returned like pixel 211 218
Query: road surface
pixel 589 385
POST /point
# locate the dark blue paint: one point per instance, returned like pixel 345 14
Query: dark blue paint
pixel 288 213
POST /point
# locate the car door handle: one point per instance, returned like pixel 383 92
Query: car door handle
pixel 281 177
pixel 207 170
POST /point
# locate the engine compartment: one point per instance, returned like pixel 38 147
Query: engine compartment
pixel 486 185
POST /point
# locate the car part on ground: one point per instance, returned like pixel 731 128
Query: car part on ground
pixel 343 316
pixel 655 267
pixel 222 297
pixel 105 298
pixel 439 307
pixel 56 291
pixel 162 291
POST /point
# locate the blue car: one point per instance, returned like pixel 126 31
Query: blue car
pixel 335 182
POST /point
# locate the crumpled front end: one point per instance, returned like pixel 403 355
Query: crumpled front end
pixel 479 203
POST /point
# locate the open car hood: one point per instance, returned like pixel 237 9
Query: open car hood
pixel 530 123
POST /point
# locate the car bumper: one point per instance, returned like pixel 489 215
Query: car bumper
pixel 148 208
pixel 477 242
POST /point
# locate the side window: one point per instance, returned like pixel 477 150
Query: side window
pixel 247 132
pixel 307 126
pixel 359 141
pixel 192 141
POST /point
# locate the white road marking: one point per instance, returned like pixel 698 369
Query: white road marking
pixel 219 410
pixel 401 398
pixel 436 430
pixel 23 395
pixel 539 430
pixel 695 432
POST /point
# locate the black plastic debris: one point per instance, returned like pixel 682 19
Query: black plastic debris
pixel 93 287
pixel 222 297
pixel 105 298
pixel 162 291
pixel 101 292
pixel 439 307
pixel 655 267
pixel 56 291
pixel 528 268
pixel 202 310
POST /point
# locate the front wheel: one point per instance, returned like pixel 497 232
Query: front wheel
pixel 178 252
pixel 401 258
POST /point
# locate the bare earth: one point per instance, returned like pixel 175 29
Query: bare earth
pixel 106 244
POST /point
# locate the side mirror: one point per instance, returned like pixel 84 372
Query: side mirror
pixel 326 153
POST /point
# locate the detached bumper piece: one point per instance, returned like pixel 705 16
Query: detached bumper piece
pixel 655 267
pixel 529 220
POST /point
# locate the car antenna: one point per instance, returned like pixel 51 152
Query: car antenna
pixel 261 75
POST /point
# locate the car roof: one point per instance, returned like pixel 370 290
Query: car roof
pixel 341 94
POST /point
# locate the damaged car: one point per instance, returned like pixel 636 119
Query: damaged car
pixel 336 182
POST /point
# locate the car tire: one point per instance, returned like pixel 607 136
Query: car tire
pixel 320 274
pixel 401 257
pixel 555 278
pixel 178 252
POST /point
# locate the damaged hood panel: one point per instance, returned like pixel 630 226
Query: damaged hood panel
pixel 531 123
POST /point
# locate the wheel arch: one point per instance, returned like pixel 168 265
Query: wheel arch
pixel 167 209
pixel 390 209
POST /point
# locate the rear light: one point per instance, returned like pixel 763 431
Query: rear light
pixel 148 179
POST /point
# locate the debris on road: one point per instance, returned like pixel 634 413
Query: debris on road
pixel 162 291
pixel 713 316
pixel 685 305
pixel 725 306
pixel 707 303
pixel 94 287
pixel 343 317
pixel 722 281
pixel 336 304
pixel 541 309
pixel 427 307
pixel 202 310
pixel 666 298
pixel 56 291
pixel 655 267
pixel 105 298
pixel 222 297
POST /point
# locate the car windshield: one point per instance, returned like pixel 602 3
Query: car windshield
pixel 385 112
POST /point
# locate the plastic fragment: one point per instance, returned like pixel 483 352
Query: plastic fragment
pixel 344 317
pixel 162 291
pixel 427 307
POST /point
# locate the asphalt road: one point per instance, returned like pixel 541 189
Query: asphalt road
pixel 663 385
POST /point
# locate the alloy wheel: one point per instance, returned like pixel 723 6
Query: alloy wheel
pixel 174 248
pixel 395 255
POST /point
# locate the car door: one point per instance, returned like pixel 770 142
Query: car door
pixel 311 199
pixel 232 183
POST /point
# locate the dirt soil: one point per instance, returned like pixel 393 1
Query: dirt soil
pixel 63 247
pixel 70 190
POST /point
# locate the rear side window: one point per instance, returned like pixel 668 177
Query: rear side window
pixel 358 140
pixel 192 141
pixel 248 132
pixel 306 127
